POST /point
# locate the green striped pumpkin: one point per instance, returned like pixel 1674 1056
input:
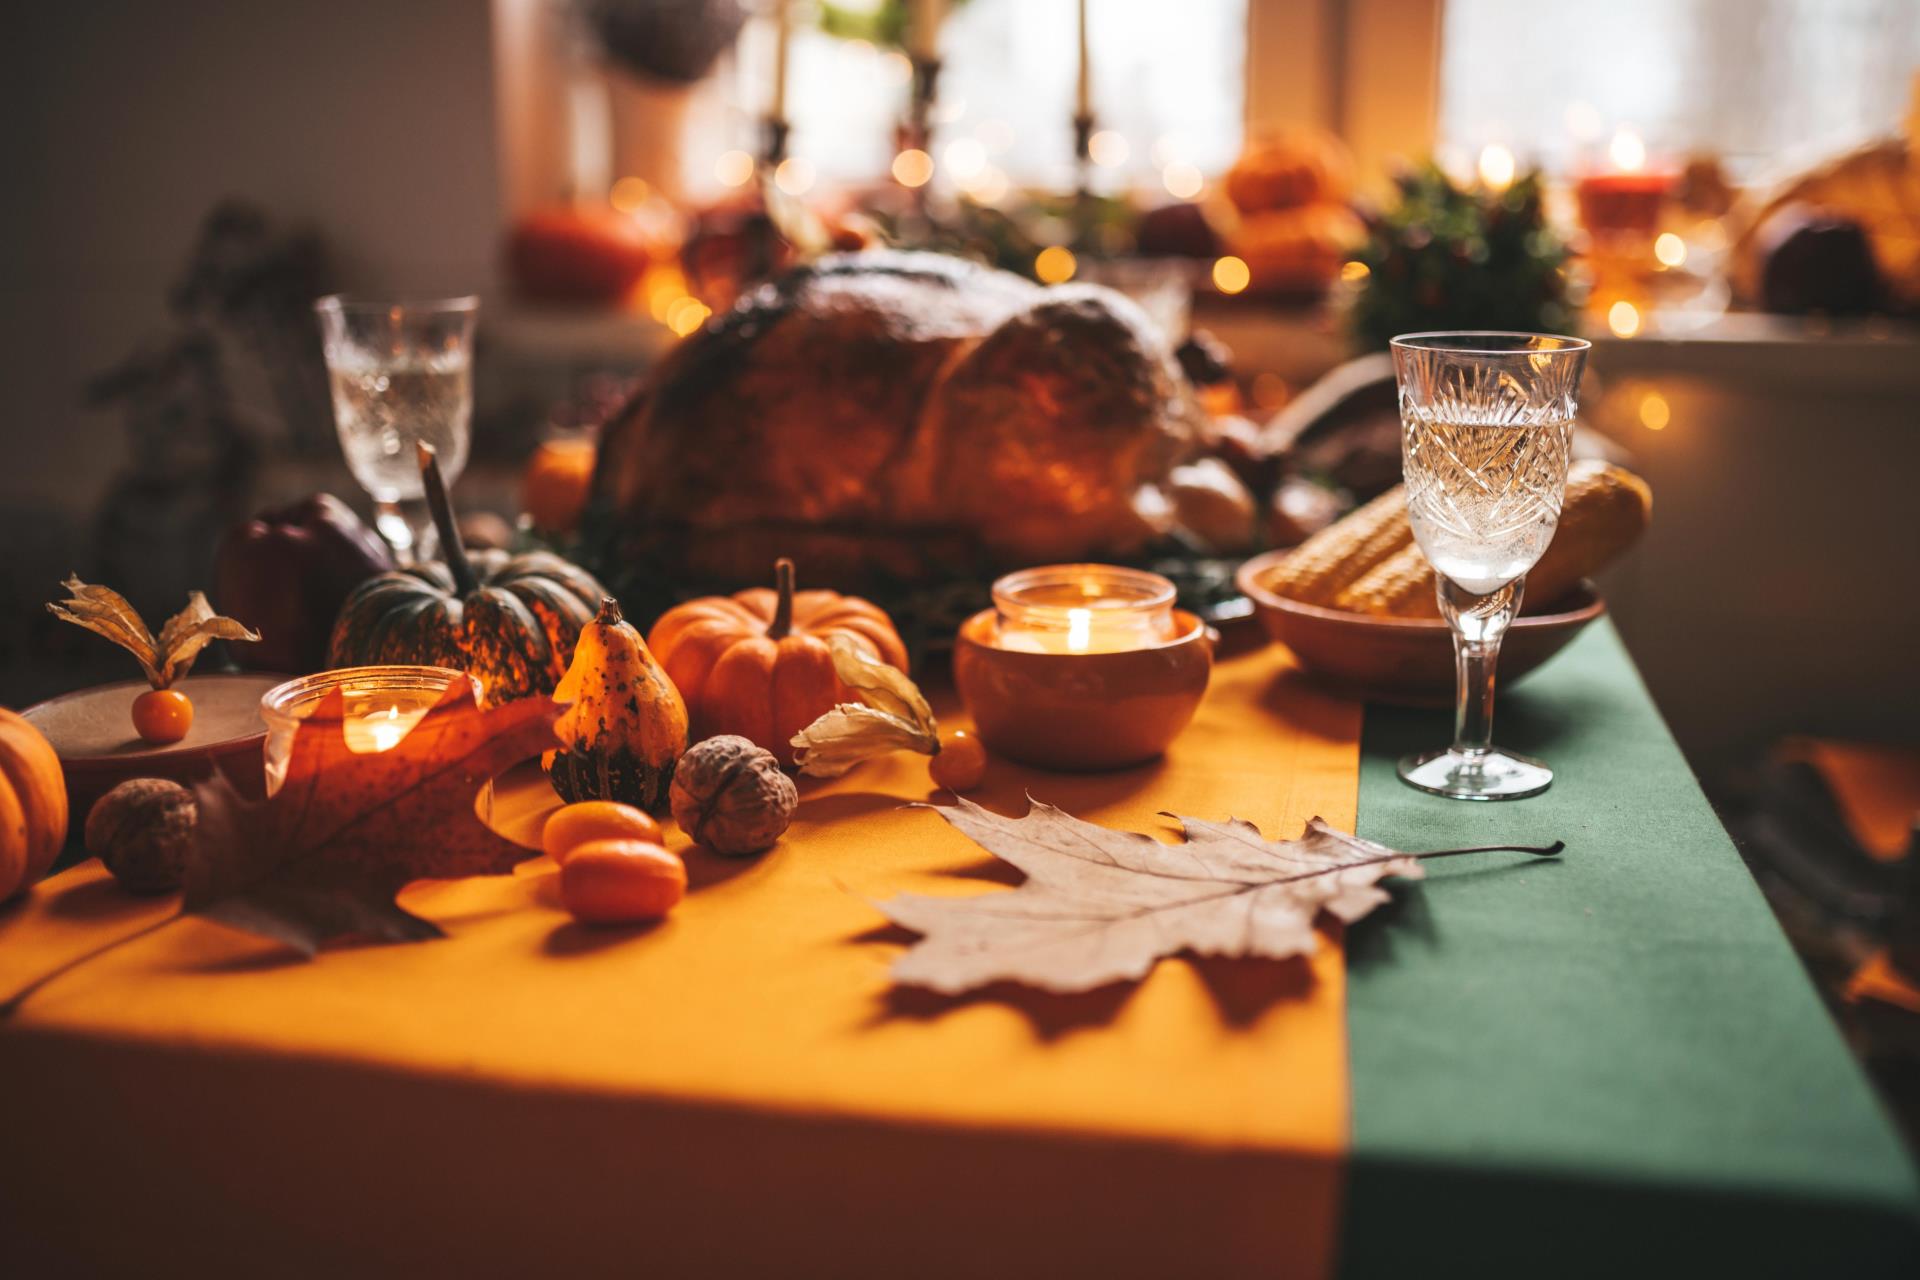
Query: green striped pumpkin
pixel 514 629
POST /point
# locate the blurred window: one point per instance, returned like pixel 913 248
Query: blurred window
pixel 1762 83
pixel 1167 88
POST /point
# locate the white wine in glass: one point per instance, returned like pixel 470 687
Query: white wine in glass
pixel 401 374
pixel 1486 423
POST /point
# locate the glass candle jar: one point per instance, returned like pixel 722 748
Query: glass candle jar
pixel 1082 608
pixel 381 704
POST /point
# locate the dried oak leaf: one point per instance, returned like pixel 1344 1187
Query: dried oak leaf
pixel 1102 906
pixel 323 857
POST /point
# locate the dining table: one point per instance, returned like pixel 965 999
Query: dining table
pixel 1601 1063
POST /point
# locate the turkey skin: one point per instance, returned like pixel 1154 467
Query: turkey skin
pixel 903 417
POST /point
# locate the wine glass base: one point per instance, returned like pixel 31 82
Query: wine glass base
pixel 1486 775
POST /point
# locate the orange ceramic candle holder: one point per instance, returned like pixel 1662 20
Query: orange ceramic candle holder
pixel 1082 667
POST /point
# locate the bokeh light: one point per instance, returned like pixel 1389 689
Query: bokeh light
pixel 1108 149
pixel 1055 265
pixel 913 168
pixel 629 194
pixel 1624 319
pixel 794 176
pixel 1231 274
pixel 1655 412
pixel 733 168
pixel 1182 180
pixel 1496 167
pixel 1670 249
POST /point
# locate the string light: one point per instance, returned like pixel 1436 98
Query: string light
pixel 1055 265
pixel 794 176
pixel 1655 412
pixel 1670 249
pixel 629 194
pixel 1182 180
pixel 733 168
pixel 1108 149
pixel 1624 319
pixel 1231 274
pixel 913 168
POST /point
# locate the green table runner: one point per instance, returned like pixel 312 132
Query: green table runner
pixel 1612 1064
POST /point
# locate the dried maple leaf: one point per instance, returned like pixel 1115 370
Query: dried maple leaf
pixel 1102 906
pixel 322 858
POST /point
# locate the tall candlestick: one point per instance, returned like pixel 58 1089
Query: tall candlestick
pixel 923 32
pixel 782 31
pixel 1083 100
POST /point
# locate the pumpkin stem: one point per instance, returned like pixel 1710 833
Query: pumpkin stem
pixel 782 610
pixel 609 611
pixel 452 549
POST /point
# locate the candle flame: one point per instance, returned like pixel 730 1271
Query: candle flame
pixel 1627 151
pixel 1496 167
pixel 1079 629
pixel 386 730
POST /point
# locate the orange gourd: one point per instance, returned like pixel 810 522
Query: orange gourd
pixel 33 804
pixel 757 663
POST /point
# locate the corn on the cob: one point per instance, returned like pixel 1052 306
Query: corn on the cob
pixel 1606 508
pixel 1369 563
pixel 1399 586
pixel 1315 571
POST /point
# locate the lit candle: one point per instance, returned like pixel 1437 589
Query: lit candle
pixel 1083 95
pixel 381 730
pixel 1627 197
pixel 1081 666
pixel 1082 608
pixel 379 706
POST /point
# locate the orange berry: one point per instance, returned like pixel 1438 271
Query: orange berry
pixel 621 881
pixel 961 764
pixel 162 715
pixel 576 824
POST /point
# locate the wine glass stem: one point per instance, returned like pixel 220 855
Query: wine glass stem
pixel 1473 663
pixel 1479 623
pixel 408 528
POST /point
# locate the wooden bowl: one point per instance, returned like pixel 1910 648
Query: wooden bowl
pixel 1081 711
pixel 1408 661
pixel 92 732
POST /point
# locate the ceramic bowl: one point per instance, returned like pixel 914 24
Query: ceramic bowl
pixel 1081 711
pixel 1408 661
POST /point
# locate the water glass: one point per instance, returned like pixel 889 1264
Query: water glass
pixel 402 374
pixel 1486 423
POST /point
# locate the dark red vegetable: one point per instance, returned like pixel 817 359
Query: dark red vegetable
pixel 287 572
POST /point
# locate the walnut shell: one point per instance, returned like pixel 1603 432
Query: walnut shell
pixel 731 796
pixel 142 830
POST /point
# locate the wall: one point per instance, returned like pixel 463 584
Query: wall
pixel 124 122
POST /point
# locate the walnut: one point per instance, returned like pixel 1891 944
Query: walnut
pixel 731 796
pixel 142 830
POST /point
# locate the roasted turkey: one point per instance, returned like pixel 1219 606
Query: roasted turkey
pixel 900 416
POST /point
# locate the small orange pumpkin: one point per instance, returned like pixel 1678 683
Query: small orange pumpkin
pixel 757 663
pixel 33 804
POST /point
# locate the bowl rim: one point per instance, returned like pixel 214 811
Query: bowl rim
pixel 1197 630
pixel 1247 576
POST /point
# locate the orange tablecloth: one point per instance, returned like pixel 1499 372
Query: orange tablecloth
pixel 738 1086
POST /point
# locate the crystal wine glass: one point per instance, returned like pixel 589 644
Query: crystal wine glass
pixel 1486 419
pixel 402 373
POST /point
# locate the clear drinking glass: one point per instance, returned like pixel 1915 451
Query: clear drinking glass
pixel 1485 423
pixel 402 373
